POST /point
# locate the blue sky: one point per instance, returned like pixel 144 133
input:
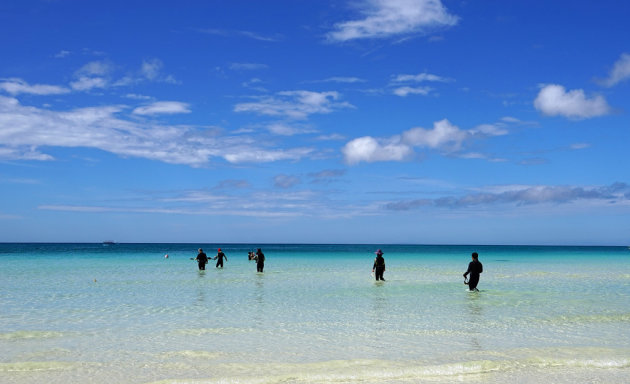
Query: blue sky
pixel 369 121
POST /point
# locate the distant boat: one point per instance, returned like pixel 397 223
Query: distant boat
pixel 109 242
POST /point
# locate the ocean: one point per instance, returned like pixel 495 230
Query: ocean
pixel 123 313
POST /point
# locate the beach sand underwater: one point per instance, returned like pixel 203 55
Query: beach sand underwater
pixel 124 313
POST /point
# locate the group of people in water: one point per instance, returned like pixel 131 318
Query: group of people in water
pixel 475 268
pixel 202 259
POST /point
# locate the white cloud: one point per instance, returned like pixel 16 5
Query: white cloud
pixel 419 78
pixel 163 108
pixel 497 129
pixel 443 136
pixel 620 71
pixel 101 74
pixel 283 129
pixel 577 146
pixel 405 91
pixel 294 104
pixel 386 18
pixel 136 96
pixel 554 100
pixel 151 68
pixel 23 154
pixel 524 195
pixel 16 86
pixel 341 79
pixel 85 83
pixel 255 155
pixel 25 130
pixel 370 149
pixel 403 83
pixel 95 68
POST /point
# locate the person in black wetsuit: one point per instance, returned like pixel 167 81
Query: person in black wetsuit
pixel 379 265
pixel 220 255
pixel 474 269
pixel 202 260
pixel 260 260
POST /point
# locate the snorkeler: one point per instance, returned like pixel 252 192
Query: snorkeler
pixel 202 260
pixel 260 260
pixel 379 265
pixel 220 255
pixel 474 269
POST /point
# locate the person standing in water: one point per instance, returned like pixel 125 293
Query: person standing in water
pixel 202 260
pixel 379 265
pixel 260 260
pixel 220 255
pixel 474 269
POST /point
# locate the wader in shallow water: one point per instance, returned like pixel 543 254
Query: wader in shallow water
pixel 219 257
pixel 475 268
pixel 202 260
pixel 260 260
pixel 379 266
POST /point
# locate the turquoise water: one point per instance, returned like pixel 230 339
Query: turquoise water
pixel 123 313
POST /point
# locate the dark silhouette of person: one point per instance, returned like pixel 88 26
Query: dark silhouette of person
pixel 475 268
pixel 260 260
pixel 202 260
pixel 379 265
pixel 220 255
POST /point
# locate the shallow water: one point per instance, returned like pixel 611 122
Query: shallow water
pixel 124 313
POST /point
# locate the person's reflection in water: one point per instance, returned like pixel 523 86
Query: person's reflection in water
pixel 474 320
pixel 259 299
pixel 201 291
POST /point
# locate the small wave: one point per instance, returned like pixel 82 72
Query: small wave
pixel 192 354
pixel 589 319
pixel 379 371
pixel 581 363
pixel 213 331
pixel 21 335
pixel 34 366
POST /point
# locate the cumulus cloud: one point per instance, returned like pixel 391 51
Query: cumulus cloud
pixel 370 149
pixel 15 86
pixel 443 136
pixel 554 100
pixel 443 133
pixel 620 71
pixel 25 130
pixel 163 108
pixel 387 18
pixel 523 195
pixel 294 104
